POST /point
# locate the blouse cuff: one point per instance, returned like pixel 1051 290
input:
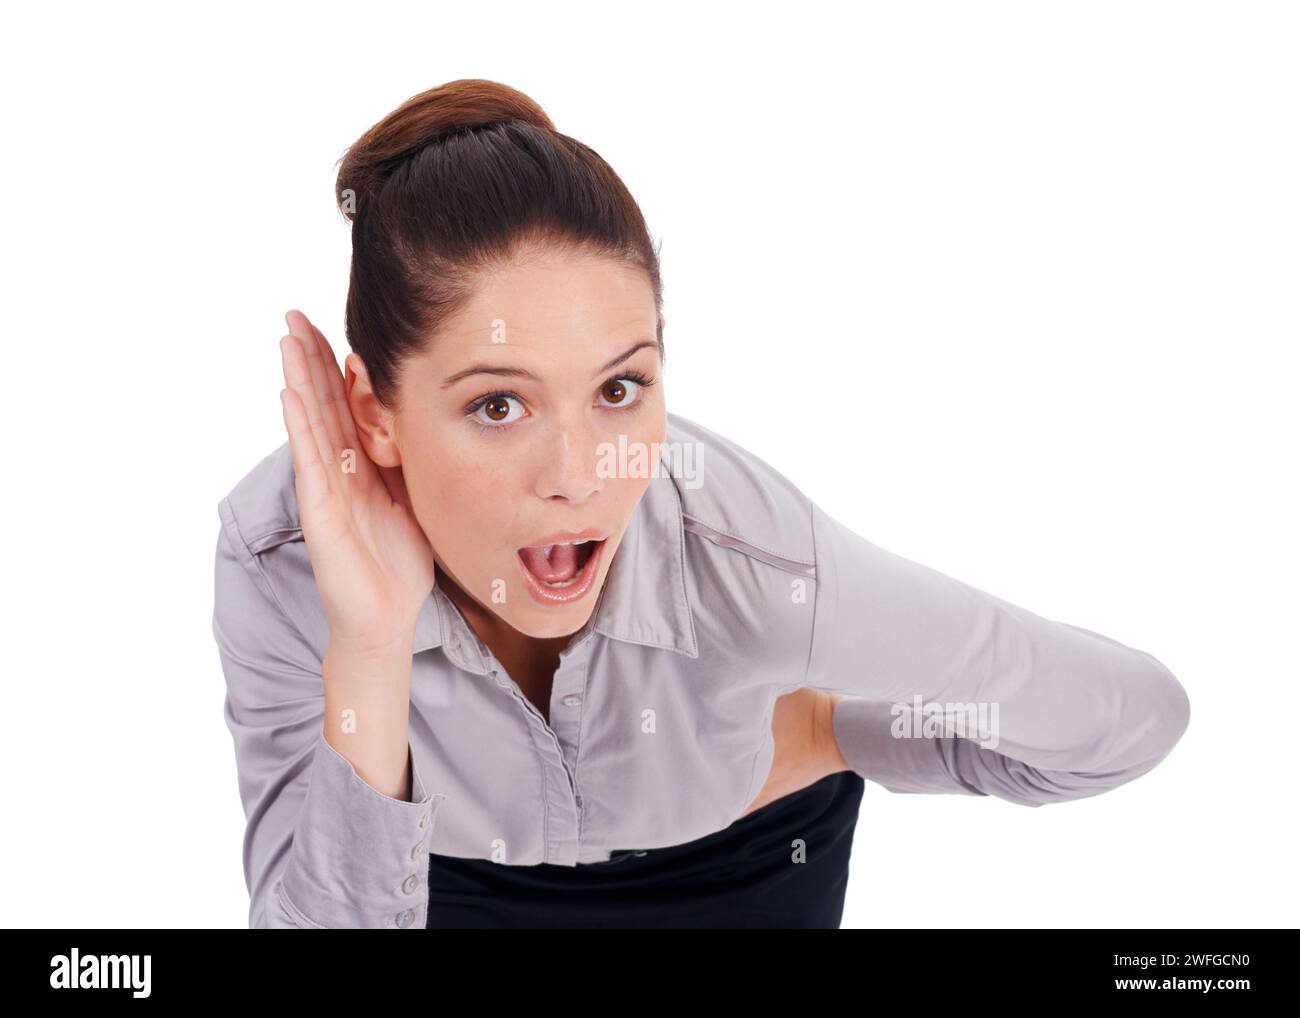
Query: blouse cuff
pixel 359 858
pixel 863 732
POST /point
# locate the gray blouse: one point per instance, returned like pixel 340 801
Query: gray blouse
pixel 730 589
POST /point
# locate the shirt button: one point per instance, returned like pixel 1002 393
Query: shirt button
pixel 424 820
pixel 408 885
pixel 404 918
pixel 572 700
pixel 417 849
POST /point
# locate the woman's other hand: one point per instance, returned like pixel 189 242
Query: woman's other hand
pixel 806 750
pixel 372 562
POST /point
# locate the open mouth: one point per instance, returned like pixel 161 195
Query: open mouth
pixel 563 570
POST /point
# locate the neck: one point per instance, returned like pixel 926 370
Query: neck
pixel 511 647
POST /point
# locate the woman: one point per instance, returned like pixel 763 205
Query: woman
pixel 506 643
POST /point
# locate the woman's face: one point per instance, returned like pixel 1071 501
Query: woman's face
pixel 508 424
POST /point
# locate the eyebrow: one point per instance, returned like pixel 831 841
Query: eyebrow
pixel 489 369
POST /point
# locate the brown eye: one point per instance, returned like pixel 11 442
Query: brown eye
pixel 495 410
pixel 620 393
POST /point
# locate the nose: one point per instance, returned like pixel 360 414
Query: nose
pixel 569 472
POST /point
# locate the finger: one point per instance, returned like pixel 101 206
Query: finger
pixel 309 472
pixel 335 373
pixel 297 376
pixel 316 366
pixel 364 468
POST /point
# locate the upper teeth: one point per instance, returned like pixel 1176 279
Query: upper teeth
pixel 558 543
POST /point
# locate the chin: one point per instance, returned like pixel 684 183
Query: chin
pixel 542 625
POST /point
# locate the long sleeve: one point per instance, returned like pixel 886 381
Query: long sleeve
pixel 322 848
pixel 999 701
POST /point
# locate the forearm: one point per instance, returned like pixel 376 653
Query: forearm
pixel 367 710
pixel 953 689
pixel 828 746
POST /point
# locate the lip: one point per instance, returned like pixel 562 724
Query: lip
pixel 560 536
pixel 550 596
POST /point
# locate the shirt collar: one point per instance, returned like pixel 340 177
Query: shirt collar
pixel 644 600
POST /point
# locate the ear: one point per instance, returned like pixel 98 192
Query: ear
pixel 374 421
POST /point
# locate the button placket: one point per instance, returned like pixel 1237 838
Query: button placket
pixel 569 696
pixel 561 804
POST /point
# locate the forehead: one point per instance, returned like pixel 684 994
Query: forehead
pixel 553 302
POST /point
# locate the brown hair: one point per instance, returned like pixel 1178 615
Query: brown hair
pixel 452 183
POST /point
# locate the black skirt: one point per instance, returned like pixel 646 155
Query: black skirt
pixel 784 866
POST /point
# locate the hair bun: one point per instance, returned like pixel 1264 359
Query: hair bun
pixel 460 105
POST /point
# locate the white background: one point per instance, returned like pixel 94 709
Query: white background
pixel 1008 288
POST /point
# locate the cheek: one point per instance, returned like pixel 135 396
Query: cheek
pixel 464 498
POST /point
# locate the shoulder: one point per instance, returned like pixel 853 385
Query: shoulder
pixel 748 547
pixel 261 509
pixel 733 499
pixel 260 527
